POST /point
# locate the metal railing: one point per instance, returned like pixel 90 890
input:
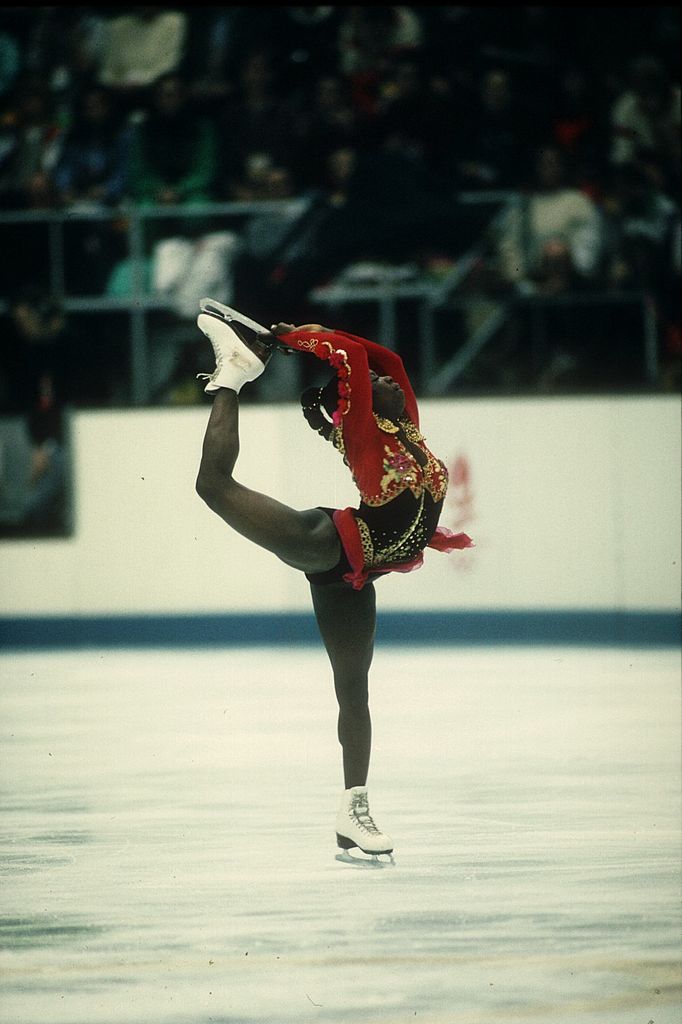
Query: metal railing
pixel 539 338
pixel 432 296
pixel 138 303
pixel 437 376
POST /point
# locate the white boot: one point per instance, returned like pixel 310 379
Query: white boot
pixel 236 363
pixel 355 827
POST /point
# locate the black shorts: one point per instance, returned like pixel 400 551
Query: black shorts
pixel 336 574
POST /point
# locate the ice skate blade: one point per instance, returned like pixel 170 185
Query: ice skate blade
pixel 232 316
pixel 227 313
pixel 372 862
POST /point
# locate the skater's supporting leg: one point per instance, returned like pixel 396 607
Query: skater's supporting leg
pixel 306 540
pixel 347 622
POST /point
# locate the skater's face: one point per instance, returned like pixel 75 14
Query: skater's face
pixel 388 398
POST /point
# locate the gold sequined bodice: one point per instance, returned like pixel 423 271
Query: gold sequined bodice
pixel 398 518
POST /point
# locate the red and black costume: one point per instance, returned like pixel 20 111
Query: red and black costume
pixel 401 499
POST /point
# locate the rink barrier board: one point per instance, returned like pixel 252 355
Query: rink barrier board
pixel 450 628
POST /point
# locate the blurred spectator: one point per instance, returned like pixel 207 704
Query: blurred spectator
pixel 262 180
pixel 326 126
pixel 572 334
pixel 61 49
pixel 371 34
pixel 420 106
pixel 92 173
pixel 552 210
pixel 640 223
pixel 216 36
pixel 141 46
pixel 304 45
pixel 42 43
pixel 173 155
pixel 173 161
pixel 531 42
pixel 265 232
pixel 339 174
pixel 38 377
pixel 578 127
pixel 643 240
pixel 369 39
pixel 491 139
pixel 646 125
pixel 255 124
pixel 93 166
pixel 30 144
pixel 567 329
pixel 85 37
pixel 556 273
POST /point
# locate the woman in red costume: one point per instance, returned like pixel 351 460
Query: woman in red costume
pixel 373 421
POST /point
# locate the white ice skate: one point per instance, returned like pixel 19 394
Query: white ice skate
pixel 236 361
pixel 355 828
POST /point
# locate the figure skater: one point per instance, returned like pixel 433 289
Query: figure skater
pixel 368 412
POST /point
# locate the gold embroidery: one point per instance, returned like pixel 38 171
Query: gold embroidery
pixel 412 432
pixel 308 343
pixel 402 471
pixel 435 477
pixel 398 550
pixel 366 541
pixel 387 426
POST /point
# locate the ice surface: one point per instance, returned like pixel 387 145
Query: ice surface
pixel 168 844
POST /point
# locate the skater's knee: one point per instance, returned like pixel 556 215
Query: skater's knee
pixel 353 698
pixel 213 487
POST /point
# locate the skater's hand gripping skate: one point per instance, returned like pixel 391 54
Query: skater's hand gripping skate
pixel 283 329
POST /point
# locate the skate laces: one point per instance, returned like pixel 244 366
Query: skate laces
pixel 235 358
pixel 218 362
pixel 360 812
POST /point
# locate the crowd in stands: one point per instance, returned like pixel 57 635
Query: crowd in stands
pixel 87 93
pixel 382 114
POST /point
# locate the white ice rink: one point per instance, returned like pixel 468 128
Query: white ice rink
pixel 168 842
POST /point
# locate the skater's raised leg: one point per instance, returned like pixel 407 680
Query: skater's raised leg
pixel 306 540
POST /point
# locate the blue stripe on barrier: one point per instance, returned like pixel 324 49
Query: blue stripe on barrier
pixel 463 628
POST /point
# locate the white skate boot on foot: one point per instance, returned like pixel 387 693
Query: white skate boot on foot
pixel 355 828
pixel 236 361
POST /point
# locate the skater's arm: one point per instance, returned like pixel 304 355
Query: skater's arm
pixel 379 359
pixel 354 388
pixel 385 362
